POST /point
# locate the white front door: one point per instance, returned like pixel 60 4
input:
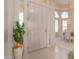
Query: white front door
pixel 38 25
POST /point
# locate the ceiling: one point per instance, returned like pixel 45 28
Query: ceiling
pixel 58 3
pixel 63 3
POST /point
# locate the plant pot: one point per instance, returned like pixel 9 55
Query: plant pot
pixel 18 52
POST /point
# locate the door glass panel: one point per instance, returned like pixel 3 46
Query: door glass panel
pixel 64 25
pixel 21 18
pixel 56 14
pixel 56 25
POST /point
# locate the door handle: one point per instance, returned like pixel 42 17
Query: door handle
pixel 46 30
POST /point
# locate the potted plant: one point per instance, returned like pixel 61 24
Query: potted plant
pixel 18 33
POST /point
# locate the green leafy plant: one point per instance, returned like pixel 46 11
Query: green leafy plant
pixel 18 33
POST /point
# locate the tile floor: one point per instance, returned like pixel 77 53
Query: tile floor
pixel 58 51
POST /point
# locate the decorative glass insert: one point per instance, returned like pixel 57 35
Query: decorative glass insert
pixel 64 14
pixel 56 25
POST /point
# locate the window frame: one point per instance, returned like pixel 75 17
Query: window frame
pixel 60 17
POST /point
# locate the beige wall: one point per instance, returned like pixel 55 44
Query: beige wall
pixel 8 26
pixel 5 30
pixel 11 15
